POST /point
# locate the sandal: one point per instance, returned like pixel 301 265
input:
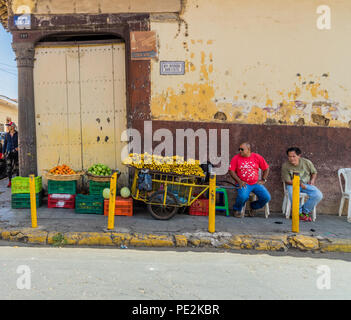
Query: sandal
pixel 237 214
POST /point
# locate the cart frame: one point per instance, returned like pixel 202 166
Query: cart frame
pixel 169 186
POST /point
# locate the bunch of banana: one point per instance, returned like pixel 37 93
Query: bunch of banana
pixel 173 164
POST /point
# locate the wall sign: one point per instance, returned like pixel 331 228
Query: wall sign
pixel 22 21
pixel 172 67
pixel 143 45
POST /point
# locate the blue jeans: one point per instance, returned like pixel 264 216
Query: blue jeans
pixel 314 197
pixel 259 190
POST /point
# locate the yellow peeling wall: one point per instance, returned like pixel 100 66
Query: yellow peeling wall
pixel 256 62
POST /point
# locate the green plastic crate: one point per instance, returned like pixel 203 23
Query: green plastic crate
pixel 21 185
pixel 22 200
pixel 89 203
pixel 67 187
pixel 97 187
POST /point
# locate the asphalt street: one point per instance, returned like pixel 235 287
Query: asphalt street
pixel 32 273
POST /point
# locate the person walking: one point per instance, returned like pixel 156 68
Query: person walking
pixel 10 150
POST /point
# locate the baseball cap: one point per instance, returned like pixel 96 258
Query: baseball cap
pixel 12 124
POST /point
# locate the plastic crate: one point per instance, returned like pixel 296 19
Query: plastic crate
pixel 124 207
pixel 22 200
pixel 97 187
pixel 65 187
pixel 59 200
pixel 89 203
pixel 199 207
pixel 21 185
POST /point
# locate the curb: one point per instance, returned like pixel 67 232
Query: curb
pixel 218 240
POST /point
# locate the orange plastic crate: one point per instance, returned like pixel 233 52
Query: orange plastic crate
pixel 124 207
pixel 199 207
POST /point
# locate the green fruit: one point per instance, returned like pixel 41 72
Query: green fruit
pixel 100 170
pixel 125 192
pixel 106 193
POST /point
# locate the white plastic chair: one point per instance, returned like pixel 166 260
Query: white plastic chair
pixel 286 208
pixel 345 192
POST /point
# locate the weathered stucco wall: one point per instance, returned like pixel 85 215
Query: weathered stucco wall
pixel 261 69
pixel 255 62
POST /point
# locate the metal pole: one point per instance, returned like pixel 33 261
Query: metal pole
pixel 112 202
pixel 296 203
pixel 33 201
pixel 212 204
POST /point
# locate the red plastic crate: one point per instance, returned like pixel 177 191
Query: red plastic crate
pixel 124 207
pixel 57 200
pixel 199 207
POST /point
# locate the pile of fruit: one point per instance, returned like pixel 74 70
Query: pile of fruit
pixel 62 170
pixel 174 164
pixel 100 170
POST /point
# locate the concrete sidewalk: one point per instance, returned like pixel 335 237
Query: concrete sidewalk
pixel 65 227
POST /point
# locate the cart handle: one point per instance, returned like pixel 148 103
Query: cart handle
pixel 233 186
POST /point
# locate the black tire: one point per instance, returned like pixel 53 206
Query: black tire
pixel 160 211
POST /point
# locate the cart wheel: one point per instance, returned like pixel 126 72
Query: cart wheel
pixel 160 211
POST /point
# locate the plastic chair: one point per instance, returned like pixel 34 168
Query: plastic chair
pixel 286 208
pixel 252 198
pixel 225 205
pixel 345 192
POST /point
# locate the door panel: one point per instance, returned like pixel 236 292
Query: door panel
pixel 51 107
pixel 80 100
pixel 120 95
pixel 97 105
pixel 73 108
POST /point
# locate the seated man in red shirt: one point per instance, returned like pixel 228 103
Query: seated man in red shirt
pixel 244 169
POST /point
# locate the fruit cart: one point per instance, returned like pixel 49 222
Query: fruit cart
pixel 166 193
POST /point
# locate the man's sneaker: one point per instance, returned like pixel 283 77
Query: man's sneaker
pixel 309 218
pixel 304 217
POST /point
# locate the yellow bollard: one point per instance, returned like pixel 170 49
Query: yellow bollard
pixel 33 201
pixel 212 204
pixel 296 203
pixel 112 202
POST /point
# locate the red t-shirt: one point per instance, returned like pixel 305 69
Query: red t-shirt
pixel 247 169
